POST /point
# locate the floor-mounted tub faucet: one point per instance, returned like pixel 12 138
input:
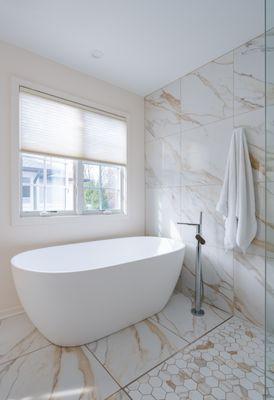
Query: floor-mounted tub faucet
pixel 197 310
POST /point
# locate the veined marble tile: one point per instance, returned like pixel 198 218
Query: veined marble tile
pixel 249 76
pixel 177 317
pixel 269 44
pixel 207 93
pixel 254 124
pixel 225 364
pixel 121 395
pixel 202 198
pixel 163 162
pixel 269 291
pixel 204 152
pixel 163 212
pixel 18 336
pixel 258 245
pixel 217 275
pixel 133 351
pixel 269 155
pixel 264 239
pixel 162 112
pixel 56 373
pixel 249 287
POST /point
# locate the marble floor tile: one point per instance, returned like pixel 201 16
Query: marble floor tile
pixel 131 352
pixel 18 336
pixel 225 364
pixel 163 112
pixel 121 395
pixel 56 373
pixel 177 317
pixel 207 93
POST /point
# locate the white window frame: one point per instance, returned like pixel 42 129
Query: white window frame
pixel 79 215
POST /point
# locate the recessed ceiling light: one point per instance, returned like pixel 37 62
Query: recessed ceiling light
pixel 97 53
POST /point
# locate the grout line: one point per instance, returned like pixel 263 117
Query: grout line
pixel 115 380
pixel 232 116
pixel 118 391
pixel 183 349
pixel 187 340
pixel 27 354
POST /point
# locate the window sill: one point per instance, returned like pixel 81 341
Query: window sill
pixel 61 219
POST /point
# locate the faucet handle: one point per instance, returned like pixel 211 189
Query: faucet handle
pixel 200 239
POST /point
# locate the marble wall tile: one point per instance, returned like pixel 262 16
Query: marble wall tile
pixel 202 198
pixel 217 266
pixel 269 278
pixel 269 155
pixel 207 93
pixel 215 98
pixel 269 216
pixel 18 337
pixel 163 162
pixel 177 317
pixel 162 112
pixel 257 247
pixel 204 153
pixel 163 212
pixel 133 351
pixel 56 373
pixel 249 76
pixel 249 284
pixel 254 124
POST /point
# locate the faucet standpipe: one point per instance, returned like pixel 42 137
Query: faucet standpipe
pixel 197 310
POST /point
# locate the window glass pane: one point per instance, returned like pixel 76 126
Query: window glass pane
pixel 33 169
pixel 111 177
pixel 35 200
pixel 47 184
pixel 111 199
pixel 59 198
pixel 59 171
pixel 91 198
pixel 91 174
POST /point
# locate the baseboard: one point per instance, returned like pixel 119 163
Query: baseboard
pixel 10 312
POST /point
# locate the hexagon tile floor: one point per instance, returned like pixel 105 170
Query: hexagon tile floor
pixel 227 363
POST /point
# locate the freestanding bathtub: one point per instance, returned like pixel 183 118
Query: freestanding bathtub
pixel 77 293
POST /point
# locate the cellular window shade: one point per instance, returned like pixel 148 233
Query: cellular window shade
pixel 55 127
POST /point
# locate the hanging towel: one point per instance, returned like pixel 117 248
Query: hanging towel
pixel 237 200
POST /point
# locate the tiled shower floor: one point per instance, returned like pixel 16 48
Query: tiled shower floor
pixel 167 357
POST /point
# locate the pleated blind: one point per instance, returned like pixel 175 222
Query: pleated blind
pixel 53 126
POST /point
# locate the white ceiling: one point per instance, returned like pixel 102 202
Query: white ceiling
pixel 147 43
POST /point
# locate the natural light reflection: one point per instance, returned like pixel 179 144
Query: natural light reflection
pixel 64 394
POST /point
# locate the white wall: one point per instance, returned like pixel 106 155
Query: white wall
pixel 13 239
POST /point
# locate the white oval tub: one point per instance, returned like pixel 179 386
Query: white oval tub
pixel 77 293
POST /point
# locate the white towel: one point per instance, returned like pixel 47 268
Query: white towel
pixel 237 200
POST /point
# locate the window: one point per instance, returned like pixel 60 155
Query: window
pixel 73 158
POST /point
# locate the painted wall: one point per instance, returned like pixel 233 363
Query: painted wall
pixel 188 127
pixel 13 239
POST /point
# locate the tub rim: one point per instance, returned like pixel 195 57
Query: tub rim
pixel 179 246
